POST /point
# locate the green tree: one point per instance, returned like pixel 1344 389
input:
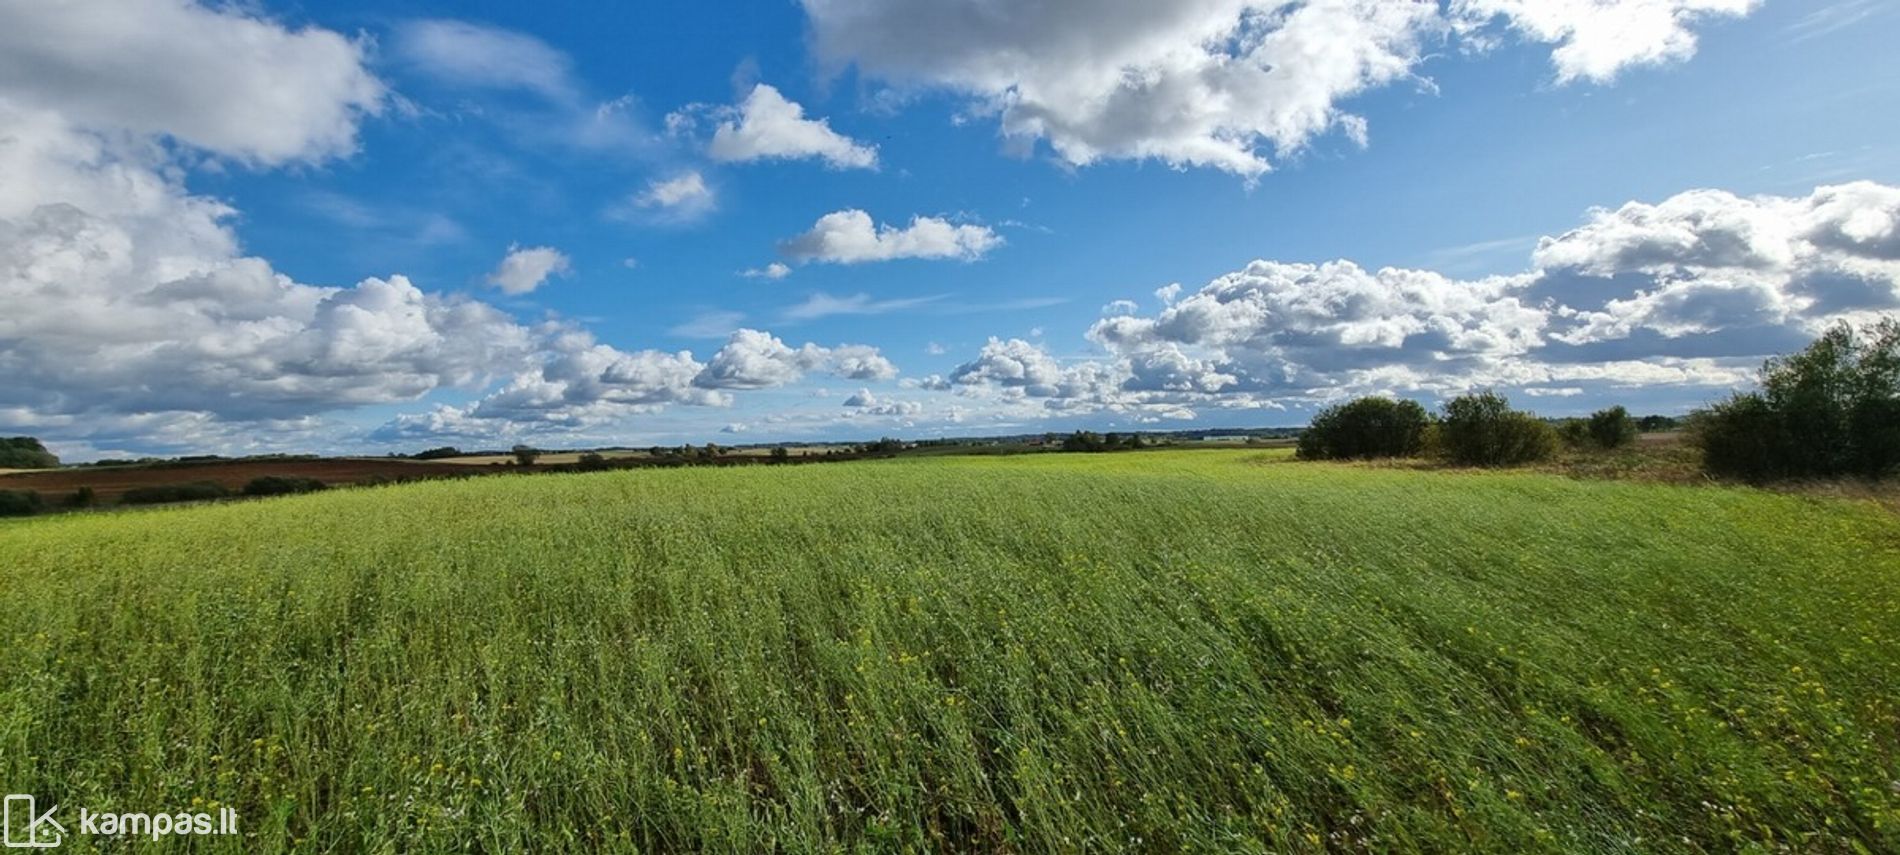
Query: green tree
pixel 1481 429
pixel 525 455
pixel 1831 410
pixel 1612 427
pixel 25 452
pixel 1365 428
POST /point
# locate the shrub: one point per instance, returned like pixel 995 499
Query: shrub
pixel 1830 410
pixel 1656 424
pixel 1482 430
pixel 282 485
pixel 525 455
pixel 20 503
pixel 590 462
pixel 196 491
pixel 1364 429
pixel 1083 441
pixel 25 452
pixel 83 497
pixel 1612 428
pixel 1574 432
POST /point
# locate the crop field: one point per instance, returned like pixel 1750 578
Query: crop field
pixel 110 482
pixel 1214 650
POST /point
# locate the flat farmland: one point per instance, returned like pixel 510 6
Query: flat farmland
pixel 1214 650
pixel 109 482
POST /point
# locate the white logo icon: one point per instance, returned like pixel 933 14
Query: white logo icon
pixel 36 830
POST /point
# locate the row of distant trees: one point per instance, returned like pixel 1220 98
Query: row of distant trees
pixel 1829 411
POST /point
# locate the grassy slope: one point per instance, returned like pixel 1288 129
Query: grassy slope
pixel 1215 650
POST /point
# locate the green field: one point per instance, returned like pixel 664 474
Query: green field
pixel 1180 650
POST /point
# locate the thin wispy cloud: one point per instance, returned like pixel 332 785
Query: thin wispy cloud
pixel 1836 17
pixel 822 305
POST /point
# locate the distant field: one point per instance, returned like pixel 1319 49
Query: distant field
pixel 1215 650
pixel 565 457
pixel 549 458
pixel 109 482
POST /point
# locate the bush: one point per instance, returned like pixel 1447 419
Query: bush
pixel 20 503
pixel 25 452
pixel 590 462
pixel 1364 429
pixel 1828 411
pixel 82 498
pixel 440 453
pixel 1574 432
pixel 1084 441
pixel 1482 430
pixel 196 491
pixel 1612 428
pixel 525 455
pixel 282 485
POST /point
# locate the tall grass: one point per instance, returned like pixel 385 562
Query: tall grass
pixel 1217 651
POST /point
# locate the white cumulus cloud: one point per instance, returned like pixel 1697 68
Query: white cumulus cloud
pixel 851 237
pixel 768 126
pixel 775 270
pixel 683 196
pixel 1221 84
pixel 1598 39
pixel 525 268
pixel 214 77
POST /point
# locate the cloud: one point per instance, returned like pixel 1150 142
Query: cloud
pixel 684 196
pixel 1012 364
pixel 219 79
pixel 131 307
pixel 1596 40
pixel 752 359
pixel 119 312
pixel 775 270
pixel 525 268
pixel 904 410
pixel 580 384
pixel 138 323
pixel 1220 84
pixel 850 237
pixel 583 385
pixel 713 324
pixel 766 126
pixel 1763 269
pixel 477 55
pixel 863 398
pixel 1207 83
pixel 822 305
pixel 1121 307
pixel 483 65
pixel 1834 17
pixel 1689 292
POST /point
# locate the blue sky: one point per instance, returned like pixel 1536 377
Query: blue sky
pixel 1622 202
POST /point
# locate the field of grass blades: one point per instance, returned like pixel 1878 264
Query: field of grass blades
pixel 1215 651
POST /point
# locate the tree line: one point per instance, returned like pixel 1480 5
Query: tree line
pixel 1830 411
